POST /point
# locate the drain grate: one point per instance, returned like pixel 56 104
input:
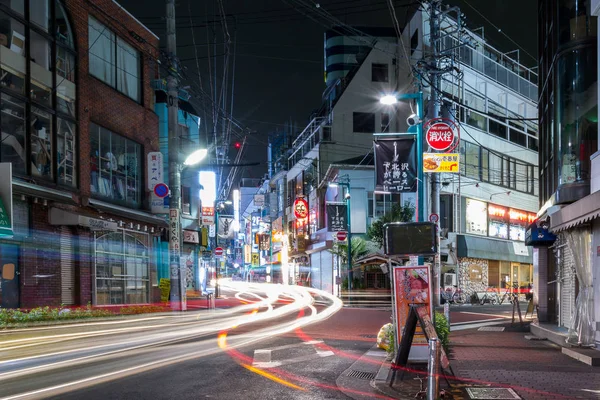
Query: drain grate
pixel 367 336
pixel 491 329
pixel 361 375
pixel 492 393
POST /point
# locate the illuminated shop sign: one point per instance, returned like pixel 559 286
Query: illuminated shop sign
pixel 496 221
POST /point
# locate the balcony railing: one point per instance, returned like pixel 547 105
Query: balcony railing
pixel 315 132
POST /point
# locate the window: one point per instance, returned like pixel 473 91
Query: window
pixel 414 41
pixel 379 72
pixel 113 61
pixel 115 167
pixel 38 140
pixel 385 122
pixel 383 203
pixel 363 122
pixel 471 160
pixel 122 270
pixel 186 196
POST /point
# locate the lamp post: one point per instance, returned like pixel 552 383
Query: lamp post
pixel 177 274
pixel 418 126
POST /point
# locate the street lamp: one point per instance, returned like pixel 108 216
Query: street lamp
pixel 177 274
pixel 347 199
pixel 416 123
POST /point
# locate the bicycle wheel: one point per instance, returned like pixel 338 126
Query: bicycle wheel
pixel 460 298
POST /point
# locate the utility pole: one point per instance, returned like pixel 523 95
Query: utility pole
pixel 177 275
pixel 435 77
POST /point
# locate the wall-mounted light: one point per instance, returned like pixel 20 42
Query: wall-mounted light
pixel 23 198
pixel 35 200
pixel 45 202
pixel 121 224
pixel 131 225
pixel 138 226
pixel 152 230
pixel 145 228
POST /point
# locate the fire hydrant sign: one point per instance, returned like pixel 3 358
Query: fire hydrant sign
pixel 441 134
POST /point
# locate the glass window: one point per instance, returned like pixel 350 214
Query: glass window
pixel 379 72
pixel 41 75
pixel 122 268
pixel 497 128
pixel 128 70
pixel 485 169
pixel 113 60
pixel 476 120
pixel 498 221
pixel 41 143
pixel 12 54
pixel 495 169
pixel 101 47
pixel 476 217
pixel 66 153
pixel 186 195
pixel 363 122
pixel 64 34
pixel 522 178
pixel 115 167
pixel 40 14
pixel 472 160
pixel 414 41
pixel 12 122
pixel 385 122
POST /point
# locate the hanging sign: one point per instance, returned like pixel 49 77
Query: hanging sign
pixel 155 169
pixel 441 162
pixel 208 216
pixel 255 259
pixel 396 165
pixel 300 208
pixel 337 214
pixel 441 134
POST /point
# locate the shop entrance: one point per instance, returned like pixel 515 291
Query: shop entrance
pixel 9 280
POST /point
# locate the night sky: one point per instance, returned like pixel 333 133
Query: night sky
pixel 279 51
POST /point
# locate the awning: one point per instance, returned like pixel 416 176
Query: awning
pixel 492 249
pixel 577 213
pixel 128 212
pixel 56 216
pixel 320 246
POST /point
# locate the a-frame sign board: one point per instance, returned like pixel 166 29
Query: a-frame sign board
pixel 417 313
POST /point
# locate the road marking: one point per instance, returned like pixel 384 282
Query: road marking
pixel 374 353
pixel 471 326
pixel 263 357
pixel 476 322
pixel 476 313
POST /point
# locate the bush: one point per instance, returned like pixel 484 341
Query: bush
pixel 442 328
pixel 132 310
pixel 17 316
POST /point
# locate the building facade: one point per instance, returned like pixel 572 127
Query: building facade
pixel 486 208
pixel 569 174
pixel 77 123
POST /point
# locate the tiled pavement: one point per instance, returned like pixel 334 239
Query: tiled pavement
pixel 534 369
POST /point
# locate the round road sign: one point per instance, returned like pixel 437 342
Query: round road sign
pixel 161 190
pixel 440 136
pixel 341 235
pixel 434 218
pixel 219 251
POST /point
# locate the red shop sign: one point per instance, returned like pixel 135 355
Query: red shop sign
pixel 300 208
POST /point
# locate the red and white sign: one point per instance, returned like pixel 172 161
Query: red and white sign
pixel 341 235
pixel 300 208
pixel 441 134
pixel 218 251
pixel 208 216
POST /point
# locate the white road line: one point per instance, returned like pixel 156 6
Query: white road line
pixel 471 326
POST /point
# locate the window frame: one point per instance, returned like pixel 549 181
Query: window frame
pixel 380 72
pixel 362 121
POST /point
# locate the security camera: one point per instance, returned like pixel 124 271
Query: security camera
pixel 347 196
pixel 413 119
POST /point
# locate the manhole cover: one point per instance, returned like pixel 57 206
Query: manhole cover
pixel 362 375
pixel 492 393
pixel 369 336
pixel 491 328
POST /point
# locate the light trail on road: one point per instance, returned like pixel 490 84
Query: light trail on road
pixel 79 357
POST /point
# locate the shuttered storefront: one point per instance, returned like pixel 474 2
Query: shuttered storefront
pixel 567 279
pixel 67 267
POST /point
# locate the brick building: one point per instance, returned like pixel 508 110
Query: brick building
pixel 77 122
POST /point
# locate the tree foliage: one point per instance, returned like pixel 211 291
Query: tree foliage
pixel 360 248
pixel 398 213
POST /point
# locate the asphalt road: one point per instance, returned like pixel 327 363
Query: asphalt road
pixel 278 343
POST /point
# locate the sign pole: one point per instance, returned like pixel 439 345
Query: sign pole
pixel 177 278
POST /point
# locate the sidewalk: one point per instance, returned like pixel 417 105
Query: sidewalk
pixel 488 358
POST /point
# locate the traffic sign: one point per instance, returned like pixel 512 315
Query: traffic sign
pixel 218 251
pixel 341 235
pixel 440 136
pixel 161 190
pixel 434 218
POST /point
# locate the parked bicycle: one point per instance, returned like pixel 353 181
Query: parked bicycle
pixel 453 295
pixel 506 296
pixel 490 296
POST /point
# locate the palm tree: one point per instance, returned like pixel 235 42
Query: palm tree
pixel 360 248
pixel 398 213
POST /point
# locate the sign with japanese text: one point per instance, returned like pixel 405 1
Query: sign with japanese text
pixel 259 200
pixel 155 169
pixel 411 286
pixel 208 216
pixel 247 253
pixel 237 255
pixel 441 134
pixel 255 259
pixel 441 162
pixel 396 165
pixel 226 230
pixel 174 229
pixel 191 237
pixel 337 214
pixel 300 208
pixel 263 241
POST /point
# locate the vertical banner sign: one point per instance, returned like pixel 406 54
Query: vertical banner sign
pixel 411 286
pixel 396 165
pixel 255 259
pixel 337 214
pixel 263 241
pixel 174 241
pixel 155 169
pixel 237 255
pixel 247 254
pixel 226 230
